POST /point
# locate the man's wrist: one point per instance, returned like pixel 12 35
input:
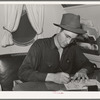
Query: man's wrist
pixel 50 77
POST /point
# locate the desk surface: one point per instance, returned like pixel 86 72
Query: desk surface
pixel 39 86
pixel 47 86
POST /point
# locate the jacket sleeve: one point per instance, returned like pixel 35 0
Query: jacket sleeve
pixel 82 61
pixel 28 70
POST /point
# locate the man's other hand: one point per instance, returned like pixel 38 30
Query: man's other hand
pixel 81 75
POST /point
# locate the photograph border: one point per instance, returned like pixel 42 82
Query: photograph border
pixel 50 95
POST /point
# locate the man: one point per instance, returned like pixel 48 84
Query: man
pixel 55 59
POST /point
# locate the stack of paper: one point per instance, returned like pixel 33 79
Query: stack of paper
pixel 81 85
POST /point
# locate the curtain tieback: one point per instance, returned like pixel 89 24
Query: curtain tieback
pixel 40 32
pixel 6 29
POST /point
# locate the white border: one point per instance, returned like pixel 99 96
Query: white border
pixel 51 94
pixel 49 2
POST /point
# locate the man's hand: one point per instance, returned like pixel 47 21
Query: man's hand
pixel 81 75
pixel 60 78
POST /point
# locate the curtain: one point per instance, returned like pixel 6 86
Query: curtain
pixel 36 17
pixel 12 18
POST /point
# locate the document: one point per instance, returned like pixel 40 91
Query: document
pixel 81 85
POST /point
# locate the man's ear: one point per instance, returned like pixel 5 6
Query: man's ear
pixel 61 29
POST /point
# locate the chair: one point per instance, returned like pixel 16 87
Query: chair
pixel 9 65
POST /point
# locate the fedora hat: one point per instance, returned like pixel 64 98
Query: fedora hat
pixel 71 22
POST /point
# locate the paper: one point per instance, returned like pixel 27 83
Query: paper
pixel 75 85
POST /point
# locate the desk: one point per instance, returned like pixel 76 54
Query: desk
pixel 48 86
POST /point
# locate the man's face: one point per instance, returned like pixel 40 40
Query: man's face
pixel 65 38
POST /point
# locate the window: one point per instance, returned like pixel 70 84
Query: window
pixel 25 33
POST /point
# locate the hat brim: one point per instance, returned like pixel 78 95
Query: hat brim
pixel 77 31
